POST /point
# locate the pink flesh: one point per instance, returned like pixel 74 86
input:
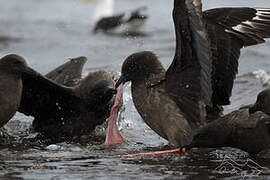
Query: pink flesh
pixel 173 151
pixel 113 135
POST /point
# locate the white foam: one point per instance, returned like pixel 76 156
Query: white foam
pixel 54 147
pixel 263 76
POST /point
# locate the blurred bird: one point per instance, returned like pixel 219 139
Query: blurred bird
pixel 67 106
pixel 127 23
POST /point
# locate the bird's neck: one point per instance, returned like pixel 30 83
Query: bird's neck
pixel 104 8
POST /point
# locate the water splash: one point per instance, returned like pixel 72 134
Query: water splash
pixel 263 76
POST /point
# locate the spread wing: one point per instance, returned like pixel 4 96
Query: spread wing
pixel 254 21
pixel 230 17
pixel 69 73
pixel 108 23
pixel 41 96
pixel 188 78
pixel 225 54
pixel 228 32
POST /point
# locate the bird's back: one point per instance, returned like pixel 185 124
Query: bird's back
pixel 10 96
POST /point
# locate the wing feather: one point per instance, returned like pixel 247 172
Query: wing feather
pixel 229 30
pixel 69 73
pixel 41 96
pixel 188 79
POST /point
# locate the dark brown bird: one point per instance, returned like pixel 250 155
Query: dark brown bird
pixel 262 103
pixel 239 129
pixel 12 67
pixel 172 102
pixel 63 112
pixel 205 64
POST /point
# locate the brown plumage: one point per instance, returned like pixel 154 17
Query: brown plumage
pixel 172 102
pixel 202 73
pixel 62 112
pixel 12 67
pixel 239 129
pixel 244 129
pixel 226 42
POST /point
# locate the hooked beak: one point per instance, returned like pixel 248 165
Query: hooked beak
pixel 121 80
pixel 187 147
pixel 254 108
